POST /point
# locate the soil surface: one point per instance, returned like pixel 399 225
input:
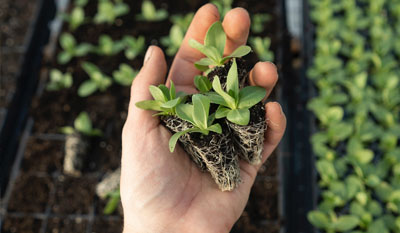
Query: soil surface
pixel 71 201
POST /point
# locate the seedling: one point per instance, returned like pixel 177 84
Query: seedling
pixel 165 100
pixel 108 47
pixel 125 75
pixel 150 13
pixel 261 47
pixel 213 48
pixel 202 83
pixel 176 33
pixel 108 11
pixel 182 21
pixel 71 49
pixel 258 21
pixel 198 115
pixel 133 46
pixel 114 199
pixel 235 103
pixel 97 81
pixel 83 125
pixel 223 6
pixel 59 81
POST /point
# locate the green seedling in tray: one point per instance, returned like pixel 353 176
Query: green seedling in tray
pixel 133 46
pixel 261 47
pixel 108 47
pixel 59 81
pixel 97 81
pixel 83 125
pixel 108 11
pixel 71 48
pixel 150 13
pixel 125 75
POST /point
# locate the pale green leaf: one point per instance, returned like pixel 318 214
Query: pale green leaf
pixel 346 223
pixel 215 128
pixel 241 51
pixel 149 105
pixel 174 139
pixel 228 99
pixel 216 37
pixel 250 96
pixel 221 112
pixel 201 106
pixel 185 112
pixel 67 130
pixel 216 99
pixel 202 83
pixel 171 104
pixel 87 88
pixel 157 93
pixel 239 116
pixel 83 123
pixel 232 82
pixel 318 219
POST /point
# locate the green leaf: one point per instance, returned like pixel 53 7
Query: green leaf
pixel 216 37
pixel 201 106
pixel 216 99
pixel 228 99
pixel 239 116
pixel 83 49
pixel 209 52
pixel 240 52
pixel 377 226
pixel 215 128
pixel 67 130
pixel 221 112
pixel 87 88
pixel 346 223
pixel 171 104
pixel 250 96
pixel 96 132
pixel 318 219
pixel 112 203
pixel 67 41
pixel 326 170
pixel 232 82
pixel 202 83
pixel 83 123
pixel 150 105
pixel 165 91
pixel 64 57
pixel 174 139
pixel 157 93
pixel 205 62
pixel 185 112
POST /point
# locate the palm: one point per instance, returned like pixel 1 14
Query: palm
pixel 162 190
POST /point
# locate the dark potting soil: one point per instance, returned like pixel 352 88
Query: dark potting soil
pixel 30 194
pixel 21 225
pixel 73 195
pixel 106 225
pixel 43 156
pixel 66 225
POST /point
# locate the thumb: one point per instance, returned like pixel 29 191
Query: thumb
pixel 153 72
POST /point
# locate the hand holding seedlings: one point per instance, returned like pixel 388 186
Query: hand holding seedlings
pixel 168 188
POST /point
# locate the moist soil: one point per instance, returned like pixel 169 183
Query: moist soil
pixel 72 197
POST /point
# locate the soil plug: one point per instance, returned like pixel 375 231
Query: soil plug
pixel 77 144
pixel 108 184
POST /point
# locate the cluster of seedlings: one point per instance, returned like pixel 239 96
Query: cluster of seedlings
pixel 225 121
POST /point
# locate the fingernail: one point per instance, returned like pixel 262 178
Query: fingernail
pixel 148 55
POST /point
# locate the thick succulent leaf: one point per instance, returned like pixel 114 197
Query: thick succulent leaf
pixel 185 112
pixel 232 82
pixel 221 112
pixel 157 93
pixel 201 106
pixel 202 83
pixel 150 105
pixel 250 96
pixel 239 116
pixel 216 37
pixel 228 99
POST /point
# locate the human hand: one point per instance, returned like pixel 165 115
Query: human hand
pixel 166 192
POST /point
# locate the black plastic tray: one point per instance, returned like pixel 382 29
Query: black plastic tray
pixel 27 80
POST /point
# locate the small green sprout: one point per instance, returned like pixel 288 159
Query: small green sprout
pixel 223 6
pixel 150 13
pixel 97 81
pixel 114 199
pixel 235 103
pixel 59 81
pixel 213 48
pixel 125 75
pixel 342 223
pixel 261 47
pixel 83 125
pixel 108 11
pixel 165 100
pixel 176 33
pixel 133 46
pixel 258 21
pixel 108 47
pixel 198 115
pixel 202 83
pixel 71 49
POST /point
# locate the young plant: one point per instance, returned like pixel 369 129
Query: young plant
pixel 71 49
pixel 165 100
pixel 59 81
pixel 108 47
pixel 258 21
pixel 150 13
pixel 108 11
pixel 114 199
pixel 97 81
pixel 176 33
pixel 76 18
pixel 198 115
pixel 182 21
pixel 213 48
pixel 235 103
pixel 133 46
pixel 82 125
pixel 125 75
pixel 261 47
pixel 202 83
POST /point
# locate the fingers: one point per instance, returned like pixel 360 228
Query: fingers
pixel 276 125
pixel 182 70
pixel 236 26
pixel 264 74
pixel 153 72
